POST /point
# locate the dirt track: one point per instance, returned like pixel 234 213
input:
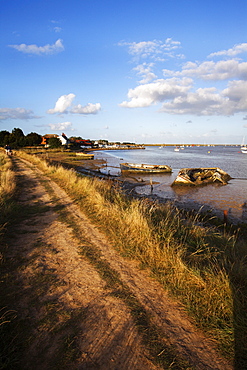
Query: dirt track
pixel 64 299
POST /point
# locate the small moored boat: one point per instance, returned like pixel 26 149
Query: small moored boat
pixel 244 147
pixel 201 176
pixel 145 168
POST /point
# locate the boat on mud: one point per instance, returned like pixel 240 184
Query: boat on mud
pixel 145 168
pixel 201 176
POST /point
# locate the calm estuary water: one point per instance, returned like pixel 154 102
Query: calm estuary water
pixel 230 197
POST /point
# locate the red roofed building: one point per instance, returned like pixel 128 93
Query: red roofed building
pixel 46 137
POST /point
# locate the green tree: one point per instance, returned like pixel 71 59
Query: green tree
pixel 54 142
pixel 17 138
pixel 33 139
pixel 4 137
pixel 17 132
pixel 75 138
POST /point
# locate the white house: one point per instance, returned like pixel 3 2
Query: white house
pixel 63 138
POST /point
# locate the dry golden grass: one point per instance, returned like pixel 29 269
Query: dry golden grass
pixel 7 187
pixel 185 256
pixel 7 177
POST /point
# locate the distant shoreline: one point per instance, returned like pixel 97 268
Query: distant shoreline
pixel 193 145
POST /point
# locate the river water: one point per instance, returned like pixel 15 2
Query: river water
pixel 231 197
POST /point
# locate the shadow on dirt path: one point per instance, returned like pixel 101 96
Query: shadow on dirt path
pixel 64 312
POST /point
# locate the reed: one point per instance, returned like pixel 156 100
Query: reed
pixel 192 261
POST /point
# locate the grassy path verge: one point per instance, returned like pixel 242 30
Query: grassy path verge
pixel 145 307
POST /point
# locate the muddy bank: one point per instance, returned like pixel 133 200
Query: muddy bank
pixel 129 183
pixel 95 168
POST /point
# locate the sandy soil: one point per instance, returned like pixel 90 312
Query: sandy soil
pixel 65 300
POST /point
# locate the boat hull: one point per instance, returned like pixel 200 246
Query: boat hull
pixel 145 168
pixel 201 176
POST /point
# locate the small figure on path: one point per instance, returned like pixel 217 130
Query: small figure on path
pixel 8 149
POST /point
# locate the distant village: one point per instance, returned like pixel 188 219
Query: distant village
pixel 17 139
pixel 74 142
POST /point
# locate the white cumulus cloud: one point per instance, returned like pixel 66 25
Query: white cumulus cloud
pixel 156 50
pixel 201 102
pixel 40 50
pixel 60 126
pixel 145 71
pixel 237 49
pixel 62 104
pixel 236 92
pixel 209 101
pixel 158 91
pixel 209 70
pixel 16 113
pixel 87 109
pixel 186 90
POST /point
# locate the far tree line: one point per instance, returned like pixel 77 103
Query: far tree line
pixel 16 139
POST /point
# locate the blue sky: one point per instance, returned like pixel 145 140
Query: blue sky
pixel 169 71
